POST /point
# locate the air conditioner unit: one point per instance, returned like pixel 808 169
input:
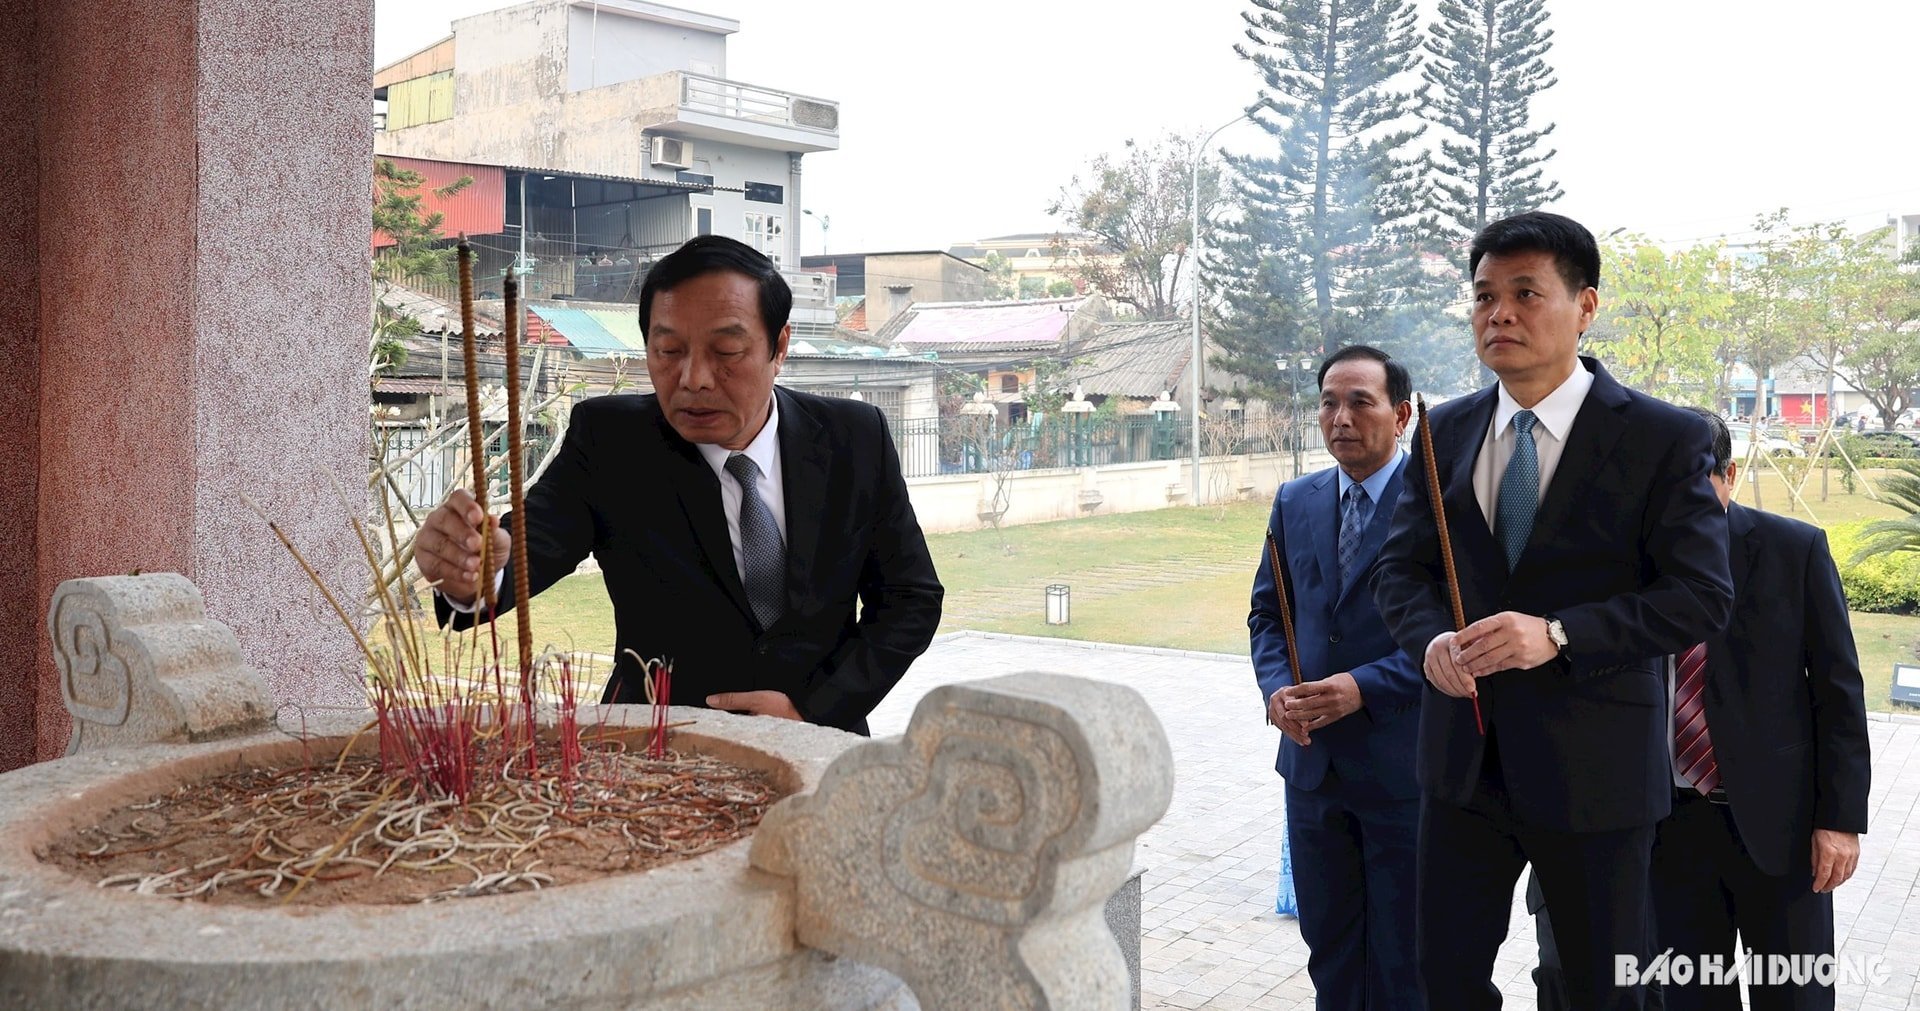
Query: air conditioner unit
pixel 672 152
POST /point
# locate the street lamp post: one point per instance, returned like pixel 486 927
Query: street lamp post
pixel 1195 247
pixel 1294 375
pixel 826 222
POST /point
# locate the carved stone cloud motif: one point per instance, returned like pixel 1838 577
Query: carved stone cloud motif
pixel 140 662
pixel 973 856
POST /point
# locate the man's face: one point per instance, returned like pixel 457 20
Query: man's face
pixel 1359 421
pixel 707 357
pixel 1526 323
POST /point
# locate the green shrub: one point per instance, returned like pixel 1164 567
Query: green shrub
pixel 1888 583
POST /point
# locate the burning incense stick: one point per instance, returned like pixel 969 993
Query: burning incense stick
pixel 478 444
pixel 1446 543
pixel 516 466
pixel 1286 608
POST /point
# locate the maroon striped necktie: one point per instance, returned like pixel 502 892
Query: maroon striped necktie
pixel 1692 748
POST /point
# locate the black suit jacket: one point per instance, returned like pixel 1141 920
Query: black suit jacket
pixel 629 489
pixel 1785 706
pixel 1628 551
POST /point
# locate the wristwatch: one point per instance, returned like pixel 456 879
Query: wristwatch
pixel 1557 634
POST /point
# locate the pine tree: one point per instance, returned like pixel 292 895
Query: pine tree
pixel 1328 248
pixel 1487 65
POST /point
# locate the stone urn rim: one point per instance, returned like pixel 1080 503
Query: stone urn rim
pixel 650 907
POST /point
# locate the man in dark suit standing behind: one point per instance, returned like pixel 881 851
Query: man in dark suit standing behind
pixel 736 524
pixel 1588 546
pixel 1347 754
pixel 1771 764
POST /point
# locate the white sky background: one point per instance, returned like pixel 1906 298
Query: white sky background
pixel 1682 119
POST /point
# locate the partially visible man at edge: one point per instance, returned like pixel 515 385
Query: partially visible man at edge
pixel 736 523
pixel 1588 545
pixel 1771 770
pixel 1347 754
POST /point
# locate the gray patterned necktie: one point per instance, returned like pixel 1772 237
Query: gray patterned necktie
pixel 1353 525
pixel 1519 491
pixel 760 544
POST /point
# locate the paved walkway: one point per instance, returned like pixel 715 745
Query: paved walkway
pixel 1212 939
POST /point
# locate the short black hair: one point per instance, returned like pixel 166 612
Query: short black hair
pixel 1569 243
pixel 1722 439
pixel 1399 383
pixel 712 254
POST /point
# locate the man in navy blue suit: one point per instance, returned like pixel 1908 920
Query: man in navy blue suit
pixel 1589 545
pixel 1347 754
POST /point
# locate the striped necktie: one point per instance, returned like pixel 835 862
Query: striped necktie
pixel 1692 748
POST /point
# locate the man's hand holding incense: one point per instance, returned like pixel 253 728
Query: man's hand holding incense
pixel 1316 705
pixel 1277 715
pixel 1505 641
pixel 447 548
pixel 1444 670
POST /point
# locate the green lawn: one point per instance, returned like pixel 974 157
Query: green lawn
pixel 1176 578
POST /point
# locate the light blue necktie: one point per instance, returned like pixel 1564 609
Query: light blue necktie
pixel 1519 491
pixel 760 544
pixel 1353 525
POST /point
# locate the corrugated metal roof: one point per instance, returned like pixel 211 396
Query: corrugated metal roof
pixel 665 184
pixel 433 58
pixel 1132 360
pixel 983 323
pixel 478 209
pixel 595 332
pixel 434 315
pixel 820 348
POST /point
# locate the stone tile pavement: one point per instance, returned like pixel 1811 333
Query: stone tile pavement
pixel 1212 939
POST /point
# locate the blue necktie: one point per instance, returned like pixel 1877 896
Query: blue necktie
pixel 760 544
pixel 1353 525
pixel 1519 491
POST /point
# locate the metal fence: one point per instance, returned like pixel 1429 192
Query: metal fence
pixel 973 444
pixel 422 467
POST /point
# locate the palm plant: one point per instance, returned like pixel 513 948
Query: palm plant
pixel 1903 534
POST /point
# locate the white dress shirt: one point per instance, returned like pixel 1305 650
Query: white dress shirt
pixel 764 451
pixel 1555 414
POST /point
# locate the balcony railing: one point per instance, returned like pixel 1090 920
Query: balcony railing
pixel 744 102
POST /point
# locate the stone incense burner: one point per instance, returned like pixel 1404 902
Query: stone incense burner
pixel 965 864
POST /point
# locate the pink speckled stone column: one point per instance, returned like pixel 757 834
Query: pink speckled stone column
pixel 21 638
pixel 202 211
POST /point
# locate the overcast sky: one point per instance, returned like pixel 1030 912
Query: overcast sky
pixel 1682 119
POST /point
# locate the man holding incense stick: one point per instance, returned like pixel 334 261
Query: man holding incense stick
pixel 1343 694
pixel 1588 545
pixel 759 538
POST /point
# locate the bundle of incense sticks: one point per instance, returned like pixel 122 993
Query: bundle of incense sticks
pixel 662 693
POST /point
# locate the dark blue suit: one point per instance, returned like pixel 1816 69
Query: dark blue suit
pixel 1628 550
pixel 1352 803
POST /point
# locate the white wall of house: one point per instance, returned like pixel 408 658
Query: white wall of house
pixel 953 502
pixel 612 48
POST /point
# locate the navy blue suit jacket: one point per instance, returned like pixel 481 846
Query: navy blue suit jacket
pixel 1785 705
pixel 1628 550
pixel 1338 629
